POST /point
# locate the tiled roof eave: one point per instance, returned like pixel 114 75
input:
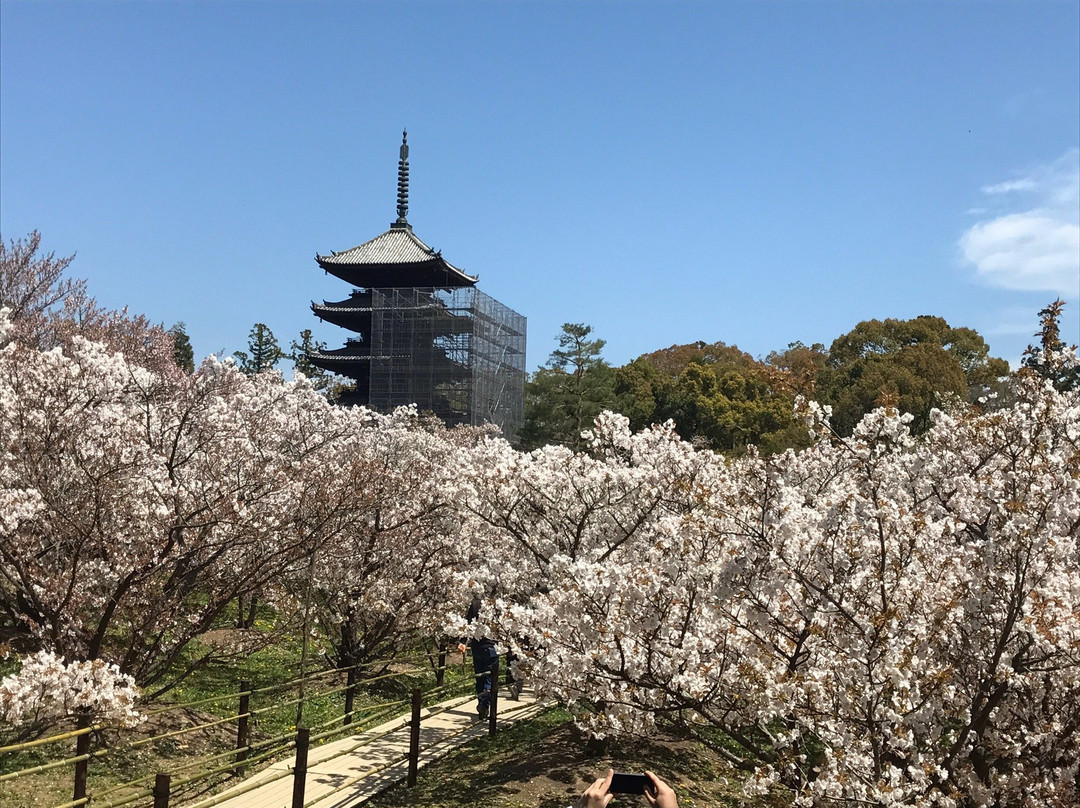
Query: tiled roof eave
pixel 338 262
pixel 342 309
pixel 397 248
pixel 434 265
pixel 322 357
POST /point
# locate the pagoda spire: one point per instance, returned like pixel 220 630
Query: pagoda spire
pixel 403 182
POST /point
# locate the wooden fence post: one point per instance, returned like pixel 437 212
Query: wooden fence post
pixel 82 747
pixel 414 737
pixel 242 728
pixel 162 787
pixel 494 708
pixel 303 737
pixel 350 693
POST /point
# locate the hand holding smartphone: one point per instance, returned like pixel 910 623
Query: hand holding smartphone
pixel 657 793
pixel 624 783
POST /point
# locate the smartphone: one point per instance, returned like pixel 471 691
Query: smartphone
pixel 623 783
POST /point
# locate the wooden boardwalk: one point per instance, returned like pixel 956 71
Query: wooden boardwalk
pixel 353 769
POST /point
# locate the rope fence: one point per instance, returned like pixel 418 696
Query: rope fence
pixel 209 771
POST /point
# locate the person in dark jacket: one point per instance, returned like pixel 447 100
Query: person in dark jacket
pixel 484 659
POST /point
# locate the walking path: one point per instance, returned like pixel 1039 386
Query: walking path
pixel 337 780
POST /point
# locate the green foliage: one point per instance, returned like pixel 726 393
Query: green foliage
pixel 320 379
pixel 263 351
pixel 183 353
pixel 643 391
pixel 722 397
pixel 715 394
pixel 563 398
pixel 674 360
pixel 915 364
pixel 577 354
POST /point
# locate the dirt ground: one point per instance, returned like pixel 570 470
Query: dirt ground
pixel 545 764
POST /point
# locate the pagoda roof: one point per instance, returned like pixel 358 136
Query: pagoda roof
pixel 352 360
pixel 353 304
pixel 395 258
pixel 345 314
pixel 354 350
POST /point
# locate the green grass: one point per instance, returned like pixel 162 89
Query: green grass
pixel 542 762
pixel 218 685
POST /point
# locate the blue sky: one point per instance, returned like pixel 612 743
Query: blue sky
pixel 756 173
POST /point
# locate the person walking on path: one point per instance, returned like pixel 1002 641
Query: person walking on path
pixel 484 659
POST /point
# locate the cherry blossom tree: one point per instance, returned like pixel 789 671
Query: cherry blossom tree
pixel 137 506
pixel 879 619
pixel 383 563
pixel 47 309
pixel 47 689
pixel 529 514
pixel 31 284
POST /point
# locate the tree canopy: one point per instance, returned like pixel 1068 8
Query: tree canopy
pixel 263 351
pixel 716 394
pixel 919 364
pixel 183 353
pixel 564 397
pixel 721 397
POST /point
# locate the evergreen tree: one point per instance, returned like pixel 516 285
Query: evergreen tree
pixel 916 364
pixel 717 395
pixel 298 353
pixel 263 352
pixel 183 353
pixel 564 397
pixel 577 354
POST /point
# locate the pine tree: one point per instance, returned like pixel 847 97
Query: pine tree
pixel 563 398
pixel 263 351
pixel 319 378
pixel 183 353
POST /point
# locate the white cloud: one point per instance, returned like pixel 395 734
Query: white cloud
pixel 1026 251
pixel 1026 184
pixel 1033 244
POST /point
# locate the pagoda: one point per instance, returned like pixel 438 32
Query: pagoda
pixel 425 335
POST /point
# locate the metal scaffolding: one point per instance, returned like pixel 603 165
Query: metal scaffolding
pixel 455 352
